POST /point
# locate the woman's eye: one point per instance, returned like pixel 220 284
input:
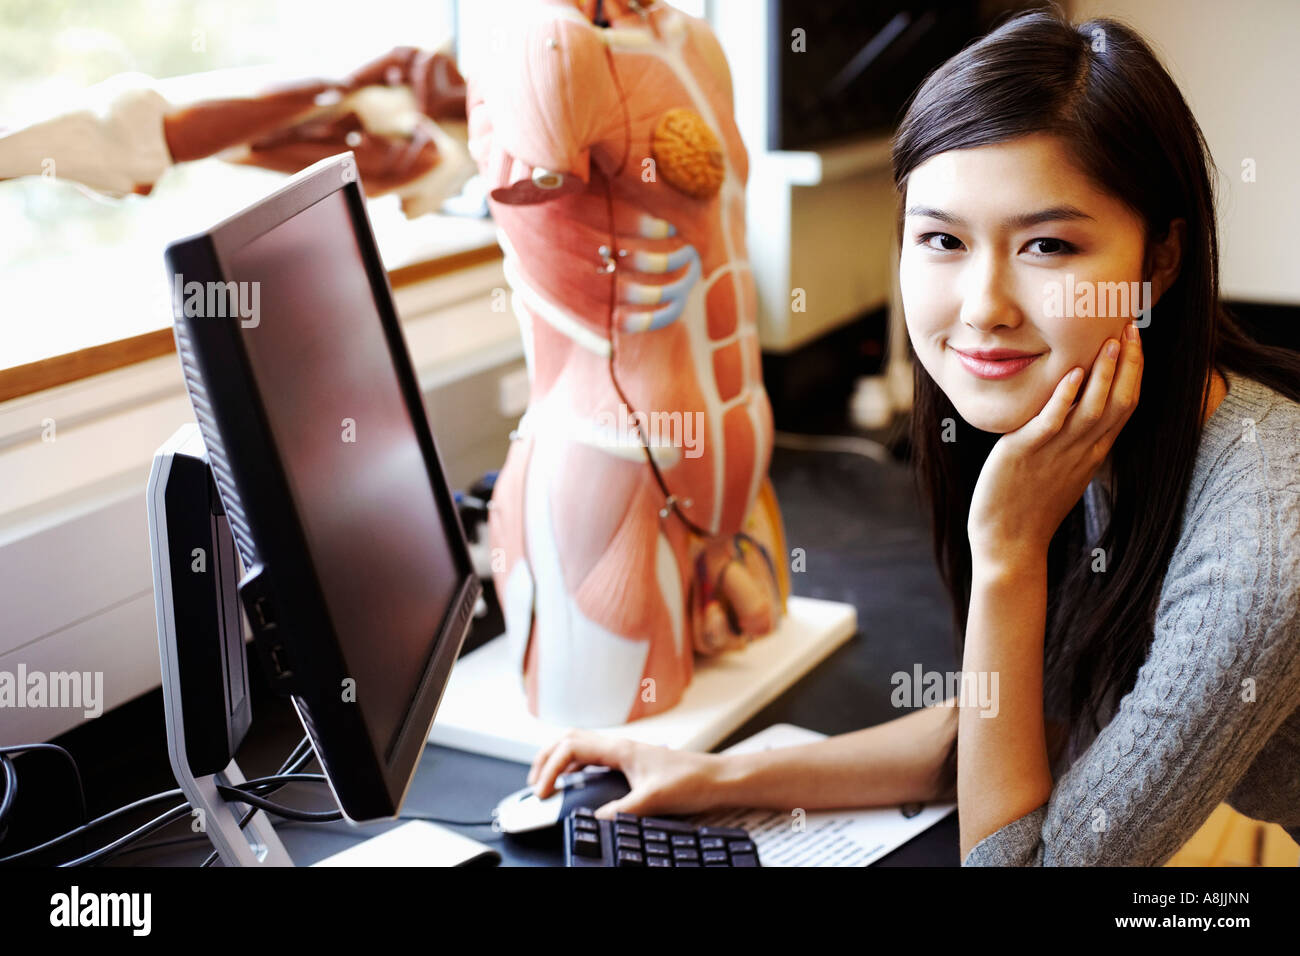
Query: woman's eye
pixel 1055 247
pixel 943 238
pixel 1047 246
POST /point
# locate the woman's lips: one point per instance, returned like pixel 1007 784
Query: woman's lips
pixel 996 363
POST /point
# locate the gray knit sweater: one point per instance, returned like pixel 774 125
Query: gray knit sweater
pixel 1215 713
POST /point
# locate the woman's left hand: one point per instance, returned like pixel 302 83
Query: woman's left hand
pixel 1035 474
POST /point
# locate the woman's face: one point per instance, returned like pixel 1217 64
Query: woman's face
pixel 1000 244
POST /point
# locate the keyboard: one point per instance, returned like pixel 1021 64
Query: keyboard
pixel 630 840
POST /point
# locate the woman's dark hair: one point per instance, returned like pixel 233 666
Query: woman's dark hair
pixel 1099 87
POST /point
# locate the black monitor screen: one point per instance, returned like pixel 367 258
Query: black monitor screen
pixel 351 454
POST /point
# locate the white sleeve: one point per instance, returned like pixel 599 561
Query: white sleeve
pixel 112 146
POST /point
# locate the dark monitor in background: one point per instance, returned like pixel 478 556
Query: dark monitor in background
pixel 357 580
pixel 855 65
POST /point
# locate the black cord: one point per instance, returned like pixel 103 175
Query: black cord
pixel 269 784
pixel 144 802
pixel 10 791
pixel 297 759
pixel 279 780
pixel 200 837
pixel 19 749
pixel 204 838
pixel 237 795
pixel 162 844
pixel 251 792
pixel 178 812
pixel 444 820
pixel 301 753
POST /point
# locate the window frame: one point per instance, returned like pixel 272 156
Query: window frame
pixel 21 380
pixel 71 366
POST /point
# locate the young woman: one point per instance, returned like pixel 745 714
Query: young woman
pixel 1116 503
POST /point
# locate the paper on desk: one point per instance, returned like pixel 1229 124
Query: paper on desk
pixel 827 837
pixel 418 843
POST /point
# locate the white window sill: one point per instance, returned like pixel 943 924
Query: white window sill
pixel 75 571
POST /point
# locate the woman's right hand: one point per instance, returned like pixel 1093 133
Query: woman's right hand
pixel 662 780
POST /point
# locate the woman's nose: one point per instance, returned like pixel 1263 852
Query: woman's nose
pixel 987 299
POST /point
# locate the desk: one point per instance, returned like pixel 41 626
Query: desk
pixel 865 543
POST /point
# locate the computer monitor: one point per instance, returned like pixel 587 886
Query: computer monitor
pixel 357 582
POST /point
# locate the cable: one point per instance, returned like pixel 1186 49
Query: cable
pixel 161 844
pixel 444 820
pixel 311 816
pixel 10 791
pixel 250 792
pixel 115 848
pixel 144 802
pixel 237 795
pixel 203 837
pixel 108 852
pixel 851 444
pixel 171 816
pixel 200 837
pixel 19 749
pixel 297 758
pixel 278 780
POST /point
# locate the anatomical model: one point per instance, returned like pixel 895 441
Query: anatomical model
pixel 402 115
pixel 633 523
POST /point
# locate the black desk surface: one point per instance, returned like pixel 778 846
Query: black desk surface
pixel 865 543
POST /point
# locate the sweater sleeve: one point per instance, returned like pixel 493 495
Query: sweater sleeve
pixel 1220 677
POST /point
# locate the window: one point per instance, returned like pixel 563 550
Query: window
pixel 79 269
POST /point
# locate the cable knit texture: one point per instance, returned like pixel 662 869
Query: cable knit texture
pixel 1215 713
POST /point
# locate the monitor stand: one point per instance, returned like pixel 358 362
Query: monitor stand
pixel 201 633
pixel 201 636
pixel 257 844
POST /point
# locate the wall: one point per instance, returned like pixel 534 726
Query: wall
pixel 1236 66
